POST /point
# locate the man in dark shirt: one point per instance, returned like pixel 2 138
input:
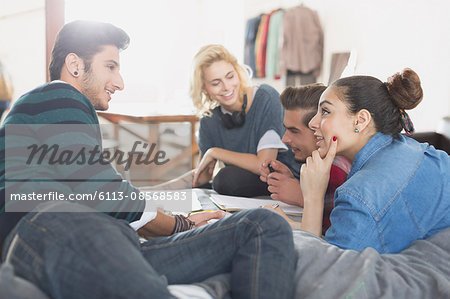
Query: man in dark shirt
pixel 300 105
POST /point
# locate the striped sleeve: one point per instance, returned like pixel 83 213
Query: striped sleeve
pixel 51 142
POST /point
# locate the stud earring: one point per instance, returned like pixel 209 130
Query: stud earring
pixel 75 73
pixel 356 131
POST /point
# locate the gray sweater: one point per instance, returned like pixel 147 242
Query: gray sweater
pixel 264 114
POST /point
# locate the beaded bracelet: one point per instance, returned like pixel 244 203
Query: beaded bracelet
pixel 182 224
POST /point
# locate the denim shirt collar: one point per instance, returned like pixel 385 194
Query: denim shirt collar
pixel 376 143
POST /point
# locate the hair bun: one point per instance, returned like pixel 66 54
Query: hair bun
pixel 405 89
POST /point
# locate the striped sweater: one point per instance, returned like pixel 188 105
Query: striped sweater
pixel 58 115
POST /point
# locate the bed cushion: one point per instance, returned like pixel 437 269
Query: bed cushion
pixel 326 271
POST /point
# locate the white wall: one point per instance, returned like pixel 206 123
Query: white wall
pixel 22 46
pixel 165 35
pixel 388 36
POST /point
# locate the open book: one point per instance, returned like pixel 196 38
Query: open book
pixel 235 203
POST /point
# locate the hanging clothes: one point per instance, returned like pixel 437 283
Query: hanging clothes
pixel 251 29
pixel 264 36
pixel 273 45
pixel 302 50
pixel 260 46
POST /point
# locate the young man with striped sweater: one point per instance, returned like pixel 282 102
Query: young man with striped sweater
pixel 76 252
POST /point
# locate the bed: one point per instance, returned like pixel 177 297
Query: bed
pixel 326 271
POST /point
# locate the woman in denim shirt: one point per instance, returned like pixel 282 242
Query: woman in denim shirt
pixel 398 190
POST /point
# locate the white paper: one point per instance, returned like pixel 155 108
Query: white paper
pixel 236 203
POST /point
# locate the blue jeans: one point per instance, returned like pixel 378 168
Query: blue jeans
pixel 92 255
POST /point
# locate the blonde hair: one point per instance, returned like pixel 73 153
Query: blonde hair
pixel 204 58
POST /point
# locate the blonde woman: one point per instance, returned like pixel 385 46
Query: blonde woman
pixel 241 124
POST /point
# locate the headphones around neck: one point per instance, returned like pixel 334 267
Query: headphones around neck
pixel 236 119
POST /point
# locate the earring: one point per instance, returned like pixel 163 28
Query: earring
pixel 75 73
pixel 356 130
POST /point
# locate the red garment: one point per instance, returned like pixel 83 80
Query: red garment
pixel 338 176
pixel 264 34
pixel 258 46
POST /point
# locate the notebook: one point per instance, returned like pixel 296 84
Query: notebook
pixel 236 203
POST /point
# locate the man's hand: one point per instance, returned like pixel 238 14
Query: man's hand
pixel 202 218
pixel 283 185
pixel 162 225
pixel 285 189
pixel 277 166
pixel 264 170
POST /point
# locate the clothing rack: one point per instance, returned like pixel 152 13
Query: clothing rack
pixel 272 44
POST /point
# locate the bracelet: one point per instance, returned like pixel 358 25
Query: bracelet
pixel 190 222
pixel 182 224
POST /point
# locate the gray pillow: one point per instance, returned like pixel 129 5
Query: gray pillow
pixel 326 271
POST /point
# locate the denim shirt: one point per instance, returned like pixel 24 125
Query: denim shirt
pixel 397 191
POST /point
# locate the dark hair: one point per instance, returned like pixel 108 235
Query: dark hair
pixel 305 97
pixel 384 101
pixel 84 38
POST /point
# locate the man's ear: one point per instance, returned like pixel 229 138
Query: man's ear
pixel 363 119
pixel 73 64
